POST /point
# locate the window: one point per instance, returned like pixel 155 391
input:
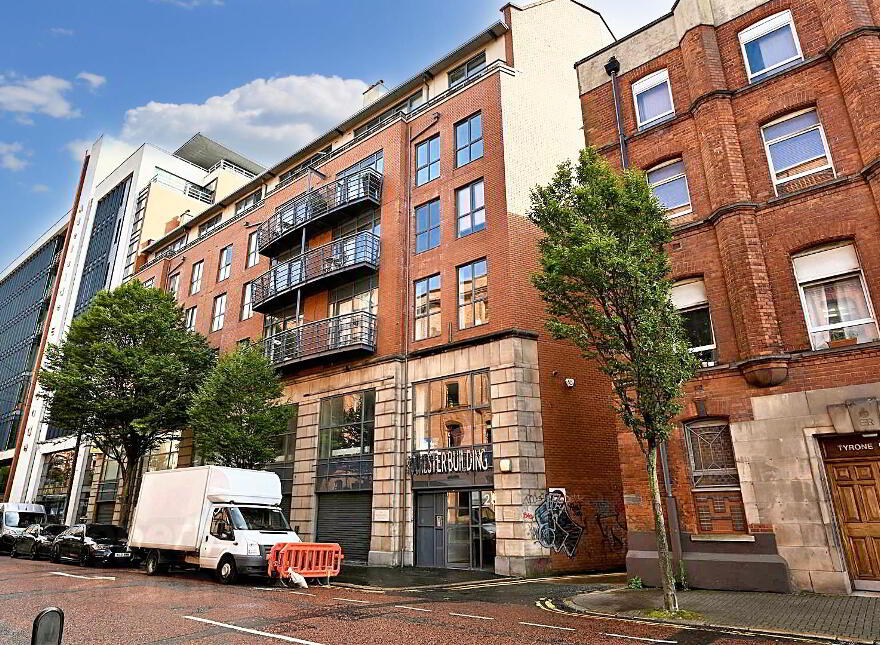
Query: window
pixel 836 305
pixel 375 161
pixel 164 456
pixel 210 224
pixel 470 208
pixel 473 294
pixel 469 140
pixel 669 185
pixel 368 221
pixel 427 303
pixel 253 256
pixel 249 202
pixel 247 296
pixel 463 72
pixel 174 285
pixel 428 160
pixel 796 147
pixel 148 284
pixel 770 46
pixel 361 295
pixel 225 263
pixel 406 106
pixel 715 480
pixel 345 441
pixel 452 411
pixel 653 99
pixel 689 299
pixel 190 318
pixel 177 244
pixel 195 282
pixel 219 312
pixel 428 226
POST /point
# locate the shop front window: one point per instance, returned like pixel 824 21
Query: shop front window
pixel 453 412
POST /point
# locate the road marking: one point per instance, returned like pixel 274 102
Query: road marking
pixel 301 593
pixel 639 638
pixel 280 637
pixel 567 629
pixel 494 584
pixel 412 608
pixel 365 602
pixel 73 575
pixel 452 613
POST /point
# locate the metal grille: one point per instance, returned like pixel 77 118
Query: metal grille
pixel 712 458
pixel 331 335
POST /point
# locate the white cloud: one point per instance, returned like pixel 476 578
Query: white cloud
pixel 39 188
pixel 12 156
pixel 61 31
pixel 43 95
pixel 265 119
pixel 94 80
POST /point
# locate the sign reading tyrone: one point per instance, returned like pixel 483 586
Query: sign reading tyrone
pixel 458 460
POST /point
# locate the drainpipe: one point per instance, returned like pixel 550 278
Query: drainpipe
pixel 612 68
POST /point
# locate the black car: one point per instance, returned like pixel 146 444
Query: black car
pixel 37 541
pixel 92 544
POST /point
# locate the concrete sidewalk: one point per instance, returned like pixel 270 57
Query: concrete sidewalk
pixel 848 618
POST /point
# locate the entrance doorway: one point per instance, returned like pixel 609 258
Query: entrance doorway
pixel 456 529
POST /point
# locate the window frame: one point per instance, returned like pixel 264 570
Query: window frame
pixel 694 473
pixel 149 283
pixel 694 307
pixel 774 180
pixel 762 28
pixel 473 406
pixel 223 270
pixel 471 141
pixel 253 254
pixel 247 301
pixel 189 321
pixel 659 166
pixel 473 301
pixel 648 83
pixel 215 315
pixel 250 202
pixel 466 67
pixel 429 163
pixel 428 314
pixel 470 214
pixel 427 231
pixel 174 285
pixel 364 459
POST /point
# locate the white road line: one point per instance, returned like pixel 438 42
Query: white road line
pixel 452 613
pixel 567 629
pixel 412 608
pixel 280 637
pixel 365 602
pixel 73 575
pixel 301 593
pixel 639 638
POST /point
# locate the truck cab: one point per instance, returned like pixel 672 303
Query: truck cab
pixel 14 519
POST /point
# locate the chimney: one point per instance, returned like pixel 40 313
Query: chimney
pixel 374 92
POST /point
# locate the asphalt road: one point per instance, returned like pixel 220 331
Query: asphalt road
pixel 125 606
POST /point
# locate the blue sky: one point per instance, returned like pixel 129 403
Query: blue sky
pixel 262 76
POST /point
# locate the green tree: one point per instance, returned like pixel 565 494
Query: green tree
pixel 604 278
pixel 125 375
pixel 235 415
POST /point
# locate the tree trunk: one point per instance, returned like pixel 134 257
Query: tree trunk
pixel 670 600
pixel 129 485
pixel 69 502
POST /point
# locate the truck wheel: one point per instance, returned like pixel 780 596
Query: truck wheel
pixel 153 564
pixel 227 572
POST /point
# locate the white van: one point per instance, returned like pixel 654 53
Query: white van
pixel 15 518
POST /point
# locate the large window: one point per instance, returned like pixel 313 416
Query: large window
pixel 368 221
pixel 836 305
pixel 452 411
pixel 253 255
pixel 770 46
pixel 427 307
pixel 689 299
pixel 669 185
pixel 174 285
pixel 796 147
pixel 282 465
pixel 715 480
pixel 473 294
pixel 164 456
pixel 360 295
pixel 469 140
pixel 470 208
pixel 219 313
pixel 190 318
pixel 428 226
pixel 345 441
pixel 225 263
pixel 247 300
pixel 471 68
pixel 195 281
pixel 653 99
pixel 428 160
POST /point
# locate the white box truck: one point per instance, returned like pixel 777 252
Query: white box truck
pixel 225 519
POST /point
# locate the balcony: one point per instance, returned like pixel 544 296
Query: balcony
pixel 343 259
pixel 345 334
pixel 348 194
pixel 184 186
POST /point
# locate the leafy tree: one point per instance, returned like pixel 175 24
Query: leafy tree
pixel 235 416
pixel 125 375
pixel 604 279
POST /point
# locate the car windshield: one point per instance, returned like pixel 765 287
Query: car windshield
pixel 54 529
pixel 105 532
pixel 258 519
pixel 19 520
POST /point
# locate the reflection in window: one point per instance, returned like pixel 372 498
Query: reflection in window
pixel 345 441
pixel 428 160
pixel 473 294
pixel 453 411
pixel 690 300
pixel 427 307
pixel 469 140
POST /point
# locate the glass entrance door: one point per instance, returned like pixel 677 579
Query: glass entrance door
pixel 456 529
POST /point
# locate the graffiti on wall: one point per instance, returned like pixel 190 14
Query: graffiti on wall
pixel 559 521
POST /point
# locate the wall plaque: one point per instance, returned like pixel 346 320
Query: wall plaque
pixel 864 413
pixel 451 460
pixel 851 446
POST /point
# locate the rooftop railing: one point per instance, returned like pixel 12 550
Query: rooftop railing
pixel 184 186
pixel 228 165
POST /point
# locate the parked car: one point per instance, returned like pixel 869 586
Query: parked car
pixel 92 544
pixel 37 541
pixel 14 519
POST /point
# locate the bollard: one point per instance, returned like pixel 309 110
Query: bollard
pixel 48 627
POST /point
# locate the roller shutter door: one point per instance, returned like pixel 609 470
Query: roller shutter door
pixel 345 518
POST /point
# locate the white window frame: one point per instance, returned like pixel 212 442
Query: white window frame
pixel 247 301
pixel 190 320
pixel 833 278
pixel 174 285
pixel 646 83
pixel 762 28
pixel 770 165
pixel 692 307
pixel 195 278
pixel 218 312
pixel 253 253
pixel 673 178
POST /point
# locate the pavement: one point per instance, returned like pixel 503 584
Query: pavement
pixel 125 606
pixel 842 618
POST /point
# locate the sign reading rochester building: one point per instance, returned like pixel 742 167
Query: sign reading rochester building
pixel 455 460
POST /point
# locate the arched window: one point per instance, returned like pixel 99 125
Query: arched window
pixel 797 151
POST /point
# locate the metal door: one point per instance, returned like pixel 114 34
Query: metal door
pixel 346 518
pixel 431 530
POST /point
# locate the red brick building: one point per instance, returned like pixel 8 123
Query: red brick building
pixel 757 125
pixel 384 268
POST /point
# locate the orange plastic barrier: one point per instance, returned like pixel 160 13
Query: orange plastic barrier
pixel 308 559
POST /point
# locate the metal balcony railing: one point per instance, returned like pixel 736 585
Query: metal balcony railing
pixel 364 185
pixel 184 186
pixel 348 332
pixel 346 254
pixel 228 165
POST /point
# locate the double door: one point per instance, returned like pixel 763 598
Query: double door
pixel 456 529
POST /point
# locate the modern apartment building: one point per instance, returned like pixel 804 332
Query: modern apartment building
pixel 384 270
pixel 756 124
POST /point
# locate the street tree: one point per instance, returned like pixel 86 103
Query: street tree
pixel 125 376
pixel 604 279
pixel 236 415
